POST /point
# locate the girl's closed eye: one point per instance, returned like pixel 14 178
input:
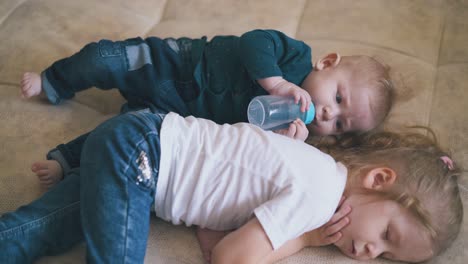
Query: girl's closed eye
pixel 386 234
pixel 339 126
pixel 338 98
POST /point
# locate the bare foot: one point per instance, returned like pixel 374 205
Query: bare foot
pixel 49 172
pixel 31 85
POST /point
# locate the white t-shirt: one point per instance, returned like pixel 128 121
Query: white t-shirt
pixel 219 176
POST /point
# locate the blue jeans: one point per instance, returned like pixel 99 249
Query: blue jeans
pixel 146 72
pixel 49 225
pixel 106 201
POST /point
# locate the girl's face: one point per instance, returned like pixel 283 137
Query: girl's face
pixel 383 228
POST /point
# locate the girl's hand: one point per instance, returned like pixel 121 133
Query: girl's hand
pixel 296 130
pixel 329 233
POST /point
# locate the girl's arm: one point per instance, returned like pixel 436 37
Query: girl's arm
pixel 248 244
pixel 327 234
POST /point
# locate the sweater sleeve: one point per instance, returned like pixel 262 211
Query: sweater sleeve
pixel 265 52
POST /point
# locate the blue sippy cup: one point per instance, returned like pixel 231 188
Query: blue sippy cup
pixel 271 112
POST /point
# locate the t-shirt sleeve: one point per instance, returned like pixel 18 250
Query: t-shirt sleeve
pixel 263 52
pixel 289 215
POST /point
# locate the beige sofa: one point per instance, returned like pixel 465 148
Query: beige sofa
pixel 425 41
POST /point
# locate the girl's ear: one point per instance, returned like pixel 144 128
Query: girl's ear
pixel 330 60
pixel 379 178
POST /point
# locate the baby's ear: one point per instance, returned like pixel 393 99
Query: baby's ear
pixel 379 178
pixel 329 60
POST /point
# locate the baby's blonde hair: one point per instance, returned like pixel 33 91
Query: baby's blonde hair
pixel 426 185
pixel 375 76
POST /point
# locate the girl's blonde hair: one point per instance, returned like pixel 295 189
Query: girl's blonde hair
pixel 426 185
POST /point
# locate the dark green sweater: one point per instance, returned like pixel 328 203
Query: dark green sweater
pixel 227 67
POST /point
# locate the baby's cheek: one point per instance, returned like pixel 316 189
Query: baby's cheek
pixel 316 131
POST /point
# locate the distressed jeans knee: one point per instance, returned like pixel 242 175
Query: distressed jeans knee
pixel 146 177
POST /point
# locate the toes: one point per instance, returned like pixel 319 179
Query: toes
pixel 30 85
pixel 45 178
pixel 43 174
pixel 47 182
pixel 34 167
pixel 26 90
pixel 38 166
pixel 26 79
pixel 26 93
pixel 27 75
pixel 47 185
pixel 25 84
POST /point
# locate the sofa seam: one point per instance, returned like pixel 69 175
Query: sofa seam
pixel 12 11
pixel 437 67
pixel 299 21
pixel 162 19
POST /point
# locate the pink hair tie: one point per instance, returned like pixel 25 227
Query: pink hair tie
pixel 448 162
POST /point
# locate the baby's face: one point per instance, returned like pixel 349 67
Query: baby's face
pixel 342 102
pixel 383 228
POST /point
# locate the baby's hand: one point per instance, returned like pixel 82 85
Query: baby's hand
pixel 329 233
pixel 296 130
pixel 300 95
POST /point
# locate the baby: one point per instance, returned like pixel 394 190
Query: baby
pixel 216 79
